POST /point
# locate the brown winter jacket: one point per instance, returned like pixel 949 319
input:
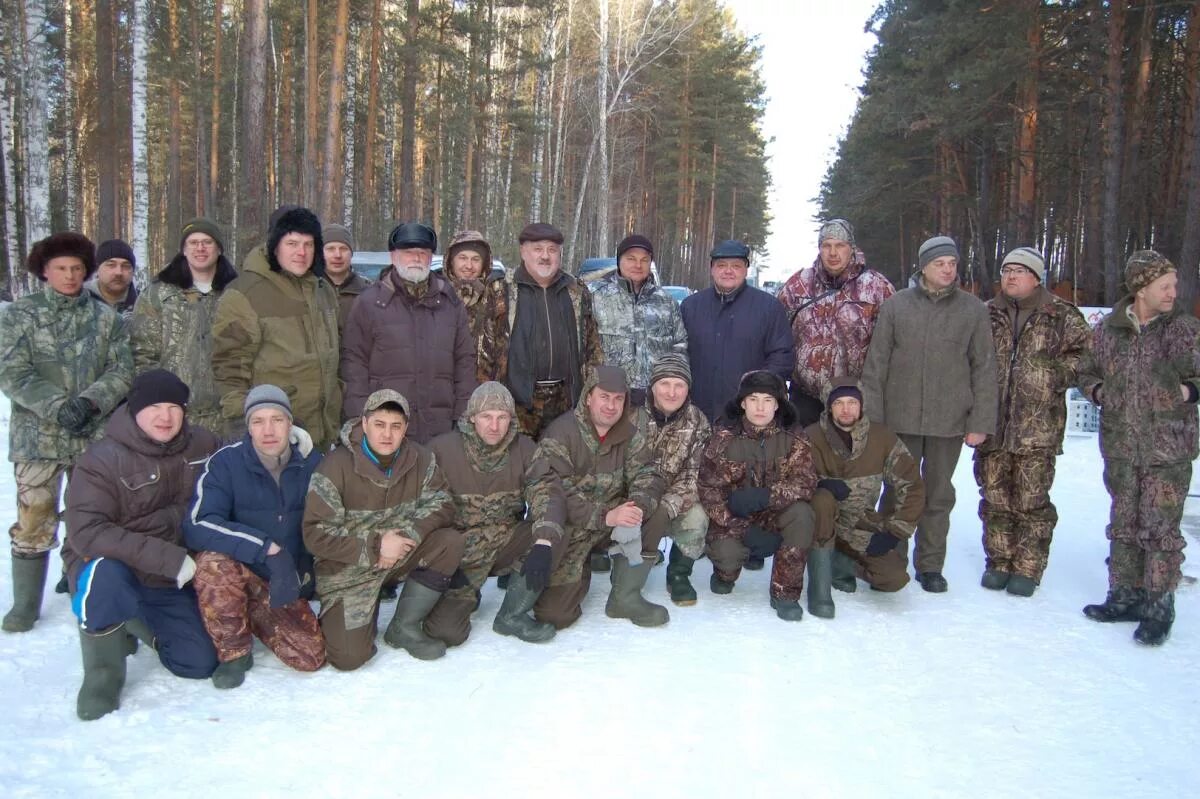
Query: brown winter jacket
pixel 931 366
pixel 347 293
pixel 1036 365
pixel 420 347
pixel 128 496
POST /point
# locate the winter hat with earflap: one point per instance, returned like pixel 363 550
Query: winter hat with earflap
pixel 1029 258
pixel 61 245
pixel 762 382
pixel 1143 268
pixel 304 222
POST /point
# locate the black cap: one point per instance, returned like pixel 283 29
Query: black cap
pixel 632 241
pixel 410 235
pixel 730 249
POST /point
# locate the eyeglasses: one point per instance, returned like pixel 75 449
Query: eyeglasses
pixel 1015 270
pixel 200 244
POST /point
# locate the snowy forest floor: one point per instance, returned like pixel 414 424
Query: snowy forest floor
pixel 911 694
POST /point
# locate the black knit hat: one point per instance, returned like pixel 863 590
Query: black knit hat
pixel 155 386
pixel 115 248
pixel 68 244
pixel 762 382
pixel 305 222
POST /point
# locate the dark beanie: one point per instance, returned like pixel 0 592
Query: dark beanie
pixel 67 244
pixel 540 231
pixel 845 390
pixel 632 241
pixel 156 386
pixel 115 248
pixel 936 247
pixel 205 226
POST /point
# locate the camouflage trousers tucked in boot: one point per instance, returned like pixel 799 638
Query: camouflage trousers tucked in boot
pixel 1158 613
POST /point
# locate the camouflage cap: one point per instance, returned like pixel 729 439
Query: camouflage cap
pixel 1143 268
pixel 490 396
pixel 382 397
pixel 838 229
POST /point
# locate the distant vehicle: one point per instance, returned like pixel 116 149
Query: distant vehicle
pixel 371 264
pixel 772 286
pixel 679 293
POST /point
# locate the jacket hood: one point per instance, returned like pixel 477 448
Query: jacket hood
pixel 462 238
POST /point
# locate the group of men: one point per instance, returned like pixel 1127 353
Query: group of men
pixel 438 428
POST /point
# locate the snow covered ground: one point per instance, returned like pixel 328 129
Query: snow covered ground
pixel 962 694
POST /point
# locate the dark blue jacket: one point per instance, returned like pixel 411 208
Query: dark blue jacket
pixel 729 336
pixel 238 509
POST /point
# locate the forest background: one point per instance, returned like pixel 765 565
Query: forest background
pixel 1071 125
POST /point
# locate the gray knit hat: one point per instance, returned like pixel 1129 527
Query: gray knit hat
pixel 1029 258
pixel 339 233
pixel 490 396
pixel 838 229
pixel 936 247
pixel 671 364
pixel 266 396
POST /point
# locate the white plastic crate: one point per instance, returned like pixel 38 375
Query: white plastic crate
pixel 1082 416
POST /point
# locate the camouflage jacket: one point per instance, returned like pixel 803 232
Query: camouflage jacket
pixel 351 502
pixel 273 327
pixel 575 479
pixel 1136 372
pixel 487 317
pixel 1037 363
pixel 172 329
pixel 52 348
pixel 678 442
pixel 636 326
pixel 875 455
pixel 832 320
pixel 738 456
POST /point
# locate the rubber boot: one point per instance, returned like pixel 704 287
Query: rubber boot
pixel 843 576
pixel 232 673
pixel 1158 613
pixel 103 672
pixel 1121 604
pixel 406 629
pixel 719 586
pixel 513 617
pixel 679 572
pixel 625 600
pixel 788 609
pixel 820 581
pixel 994 579
pixel 1020 585
pixel 29 581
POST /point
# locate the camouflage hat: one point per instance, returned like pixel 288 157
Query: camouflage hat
pixel 490 396
pixel 838 229
pixel 382 397
pixel 1143 268
pixel 671 364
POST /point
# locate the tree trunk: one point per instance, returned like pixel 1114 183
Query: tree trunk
pixel 1133 208
pixel 1113 126
pixel 253 115
pixel 139 234
pixel 174 157
pixel 603 179
pixel 331 183
pixel 311 105
pixel 107 154
pixel 37 62
pixel 1189 254
pixel 556 171
pixel 1027 124
pixel 408 110
pixel 214 141
pixel 369 213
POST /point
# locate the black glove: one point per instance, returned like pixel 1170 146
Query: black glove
pixel 746 501
pixel 838 488
pixel 536 570
pixel 284 585
pixel 76 414
pixel 459 579
pixel 881 544
pixel 762 543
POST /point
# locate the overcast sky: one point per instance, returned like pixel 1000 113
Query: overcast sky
pixel 813 52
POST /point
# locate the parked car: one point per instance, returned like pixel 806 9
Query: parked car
pixel 371 264
pixel 679 293
pixel 593 269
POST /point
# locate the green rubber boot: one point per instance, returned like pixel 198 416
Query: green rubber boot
pixel 232 673
pixel 820 580
pixel 29 582
pixel 679 573
pixel 407 630
pixel 513 617
pixel 103 672
pixel 842 571
pixel 625 600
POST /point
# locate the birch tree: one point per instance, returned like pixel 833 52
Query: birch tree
pixel 140 227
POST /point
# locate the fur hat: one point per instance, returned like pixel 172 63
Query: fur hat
pixel 61 245
pixel 1143 268
pixel 762 382
pixel 154 387
pixel 671 364
pixel 305 222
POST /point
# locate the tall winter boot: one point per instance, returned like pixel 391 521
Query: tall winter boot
pixel 29 581
pixel 103 672
pixel 406 630
pixel 842 571
pixel 820 580
pixel 513 617
pixel 1158 613
pixel 1121 604
pixel 679 572
pixel 625 600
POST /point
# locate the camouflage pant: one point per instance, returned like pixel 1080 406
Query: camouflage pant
pixel 549 403
pixel 1015 508
pixel 450 619
pixel 1147 507
pixel 38 484
pixel 795 523
pixel 235 605
pixel 887 572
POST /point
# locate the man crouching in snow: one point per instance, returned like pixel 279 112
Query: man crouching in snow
pixel 245 523
pixel 378 507
pixel 125 555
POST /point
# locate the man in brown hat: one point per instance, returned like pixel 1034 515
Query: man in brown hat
pixel 1144 372
pixel 552 331
pixel 339 250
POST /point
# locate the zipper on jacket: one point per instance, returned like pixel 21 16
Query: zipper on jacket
pixel 1012 363
pixel 549 332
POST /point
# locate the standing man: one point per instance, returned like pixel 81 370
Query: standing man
pixel 173 320
pixel 468 267
pixel 409 333
pixel 339 250
pixel 277 324
pixel 930 377
pixel 638 321
pixel 64 364
pixel 1040 341
pixel 832 305
pixel 1144 372
pixel 733 328
pixel 113 281
pixel 552 332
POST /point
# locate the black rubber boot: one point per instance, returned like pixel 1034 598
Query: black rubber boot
pixel 232 673
pixel 1020 585
pixel 1121 604
pixel 820 580
pixel 679 572
pixel 719 586
pixel 995 580
pixel 513 617
pixel 29 582
pixel 933 582
pixel 103 672
pixel 844 578
pixel 1158 613
pixel 625 600
pixel 407 628
pixel 502 581
pixel 788 609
